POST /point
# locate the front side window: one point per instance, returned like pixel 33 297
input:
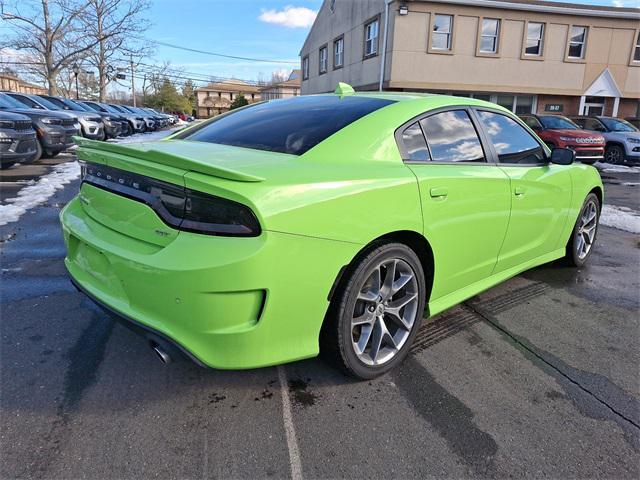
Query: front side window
pixel 532 123
pixel 577 42
pixel 591 124
pixel 535 35
pixel 292 126
pixel 513 143
pixel 323 60
pixel 415 144
pixel 441 35
pixel 489 35
pixel 305 68
pixel 338 53
pixel 371 38
pixel 452 137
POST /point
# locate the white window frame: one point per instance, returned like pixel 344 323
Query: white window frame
pixel 323 60
pixel 495 37
pixel 539 39
pixel 371 37
pixel 635 51
pixel 583 43
pixel 338 55
pixel 449 34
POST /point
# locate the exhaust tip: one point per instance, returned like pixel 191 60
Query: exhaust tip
pixel 161 354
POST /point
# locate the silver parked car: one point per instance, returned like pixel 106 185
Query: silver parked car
pixel 622 138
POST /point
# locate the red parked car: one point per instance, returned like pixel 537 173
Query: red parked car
pixel 560 132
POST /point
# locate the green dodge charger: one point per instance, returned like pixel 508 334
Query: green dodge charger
pixel 327 223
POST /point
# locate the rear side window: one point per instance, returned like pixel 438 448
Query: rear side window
pixel 287 126
pixel 511 141
pixel 452 137
pixel 415 144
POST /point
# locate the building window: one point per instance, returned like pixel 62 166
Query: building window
pixel 577 42
pixel 636 49
pixel 338 52
pixel 441 35
pixel 489 35
pixel 535 36
pixel 305 68
pixel 371 31
pixel 323 59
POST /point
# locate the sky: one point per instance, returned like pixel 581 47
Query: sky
pixel 266 29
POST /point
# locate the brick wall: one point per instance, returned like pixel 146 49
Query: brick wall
pixel 629 107
pixel 570 105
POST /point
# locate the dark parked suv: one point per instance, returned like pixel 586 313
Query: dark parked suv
pixel 17 139
pixel 54 129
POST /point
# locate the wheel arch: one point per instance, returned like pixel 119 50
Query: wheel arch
pixel 414 240
pixel 598 193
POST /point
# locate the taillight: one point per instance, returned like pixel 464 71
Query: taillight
pixel 205 213
pixel 180 208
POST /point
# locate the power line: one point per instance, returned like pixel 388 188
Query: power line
pixel 214 54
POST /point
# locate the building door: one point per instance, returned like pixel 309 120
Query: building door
pixel 593 109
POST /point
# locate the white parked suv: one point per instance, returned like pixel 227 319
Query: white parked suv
pixel 622 138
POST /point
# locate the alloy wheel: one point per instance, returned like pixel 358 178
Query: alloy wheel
pixel 613 155
pixel 587 226
pixel 385 312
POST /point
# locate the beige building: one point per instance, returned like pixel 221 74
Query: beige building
pixel 11 83
pixel 286 89
pixel 216 98
pixel 529 56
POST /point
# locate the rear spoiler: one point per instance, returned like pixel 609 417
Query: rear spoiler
pixel 168 159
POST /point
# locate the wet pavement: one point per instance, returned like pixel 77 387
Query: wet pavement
pixel 537 377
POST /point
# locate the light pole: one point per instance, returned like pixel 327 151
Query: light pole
pixel 76 71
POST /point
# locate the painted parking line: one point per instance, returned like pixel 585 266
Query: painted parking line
pixel 289 428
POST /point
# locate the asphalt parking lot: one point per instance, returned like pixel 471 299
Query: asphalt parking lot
pixel 537 377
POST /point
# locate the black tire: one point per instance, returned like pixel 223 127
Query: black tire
pixel 6 165
pixel 50 153
pixel 614 154
pixel 338 344
pixel 575 256
pixel 38 155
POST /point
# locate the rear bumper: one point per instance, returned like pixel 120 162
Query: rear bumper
pixel 153 336
pixel 229 303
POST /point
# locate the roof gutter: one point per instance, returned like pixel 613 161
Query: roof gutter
pixel 531 7
pixel 383 57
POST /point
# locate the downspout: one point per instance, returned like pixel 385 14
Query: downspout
pixel 383 57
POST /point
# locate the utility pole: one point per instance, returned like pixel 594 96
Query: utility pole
pixel 133 83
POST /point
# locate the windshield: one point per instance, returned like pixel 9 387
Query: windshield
pixel 74 105
pixel 291 126
pixel 56 101
pixel 7 102
pixel 46 103
pixel 556 122
pixel 109 108
pixel 118 109
pixel 617 125
pixel 95 107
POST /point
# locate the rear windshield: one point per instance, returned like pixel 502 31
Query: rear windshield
pixel 287 126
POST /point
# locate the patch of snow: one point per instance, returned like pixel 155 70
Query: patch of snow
pixel 611 168
pixel 622 218
pixel 39 192
pixel 147 137
pixel 630 184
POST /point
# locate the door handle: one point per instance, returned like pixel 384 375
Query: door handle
pixel 438 192
pixel 519 191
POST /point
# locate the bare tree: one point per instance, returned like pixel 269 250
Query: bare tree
pixel 50 32
pixel 114 25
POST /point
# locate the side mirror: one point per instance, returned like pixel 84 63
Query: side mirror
pixel 563 156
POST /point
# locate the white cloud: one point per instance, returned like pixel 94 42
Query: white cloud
pixel 626 3
pixel 291 17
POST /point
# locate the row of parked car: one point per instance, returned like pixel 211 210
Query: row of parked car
pixel 592 138
pixel 42 126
